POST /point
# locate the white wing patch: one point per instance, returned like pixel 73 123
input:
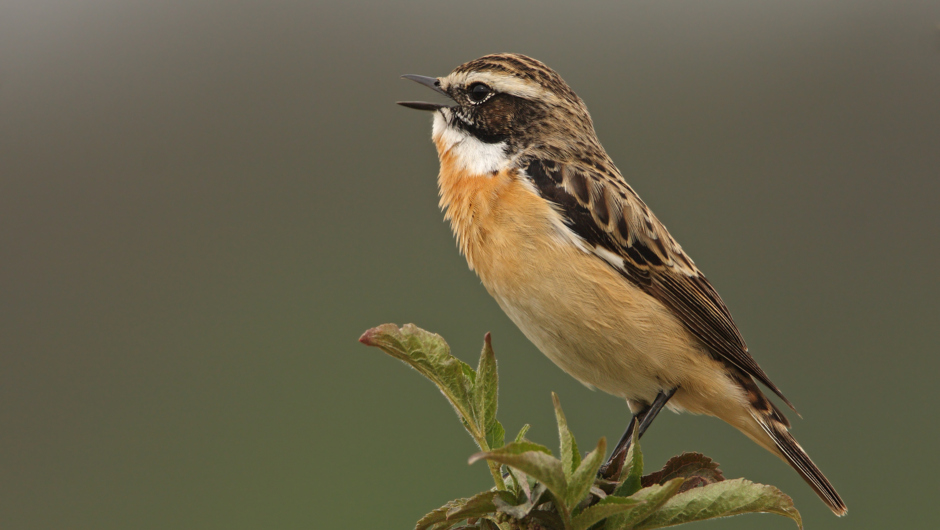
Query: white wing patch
pixel 609 257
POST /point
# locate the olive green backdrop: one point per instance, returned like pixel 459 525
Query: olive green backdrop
pixel 204 204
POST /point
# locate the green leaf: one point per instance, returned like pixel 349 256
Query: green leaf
pixel 467 371
pixel 435 517
pixel 605 508
pixel 653 497
pixel 513 448
pixel 485 390
pixel 580 482
pixel 457 510
pixel 696 468
pixel 521 510
pixel 518 483
pixel 478 505
pixel 532 459
pixel 721 499
pixel 495 435
pixel 570 457
pixel 632 471
pixel 500 525
pixel 430 355
pixel 432 519
pixel 521 436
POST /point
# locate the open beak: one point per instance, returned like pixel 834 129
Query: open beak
pixel 431 82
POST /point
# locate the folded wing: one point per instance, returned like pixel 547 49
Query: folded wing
pixel 600 207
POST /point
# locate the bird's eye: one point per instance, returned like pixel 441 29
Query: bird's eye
pixel 479 92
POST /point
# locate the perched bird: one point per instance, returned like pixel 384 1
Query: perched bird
pixel 581 265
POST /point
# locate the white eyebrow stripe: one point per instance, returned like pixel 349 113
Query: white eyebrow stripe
pixel 503 83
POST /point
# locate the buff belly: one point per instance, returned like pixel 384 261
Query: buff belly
pixel 608 334
pixel 589 321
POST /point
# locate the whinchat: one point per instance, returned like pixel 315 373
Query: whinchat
pixel 581 265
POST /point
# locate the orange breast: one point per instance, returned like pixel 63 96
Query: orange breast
pixel 494 216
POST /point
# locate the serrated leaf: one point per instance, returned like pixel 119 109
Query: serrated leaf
pixel 580 482
pixel 522 432
pixel 632 472
pixel 570 457
pixel 653 497
pixel 437 519
pixel 457 510
pixel 478 505
pixel 602 510
pixel 485 391
pixel 721 499
pixel 696 468
pixel 432 518
pixel 430 355
pixel 532 459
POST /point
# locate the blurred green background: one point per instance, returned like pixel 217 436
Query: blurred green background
pixel 203 204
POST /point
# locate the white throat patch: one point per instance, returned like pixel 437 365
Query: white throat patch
pixel 473 156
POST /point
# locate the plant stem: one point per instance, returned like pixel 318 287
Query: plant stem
pixel 497 476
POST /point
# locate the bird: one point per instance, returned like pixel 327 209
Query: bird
pixel 580 263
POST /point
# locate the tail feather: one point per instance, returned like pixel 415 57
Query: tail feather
pixel 788 448
pixel 768 427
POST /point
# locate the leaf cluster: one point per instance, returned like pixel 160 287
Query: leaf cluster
pixel 535 490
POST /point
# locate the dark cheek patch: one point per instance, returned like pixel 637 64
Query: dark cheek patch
pixel 499 116
pixel 495 120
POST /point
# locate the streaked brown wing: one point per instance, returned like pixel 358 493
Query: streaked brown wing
pixel 601 208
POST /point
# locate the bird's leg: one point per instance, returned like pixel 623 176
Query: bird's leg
pixel 645 418
pixel 651 412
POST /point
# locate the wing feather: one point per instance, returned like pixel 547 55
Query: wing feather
pixel 603 210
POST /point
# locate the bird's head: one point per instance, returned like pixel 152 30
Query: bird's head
pixel 505 106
